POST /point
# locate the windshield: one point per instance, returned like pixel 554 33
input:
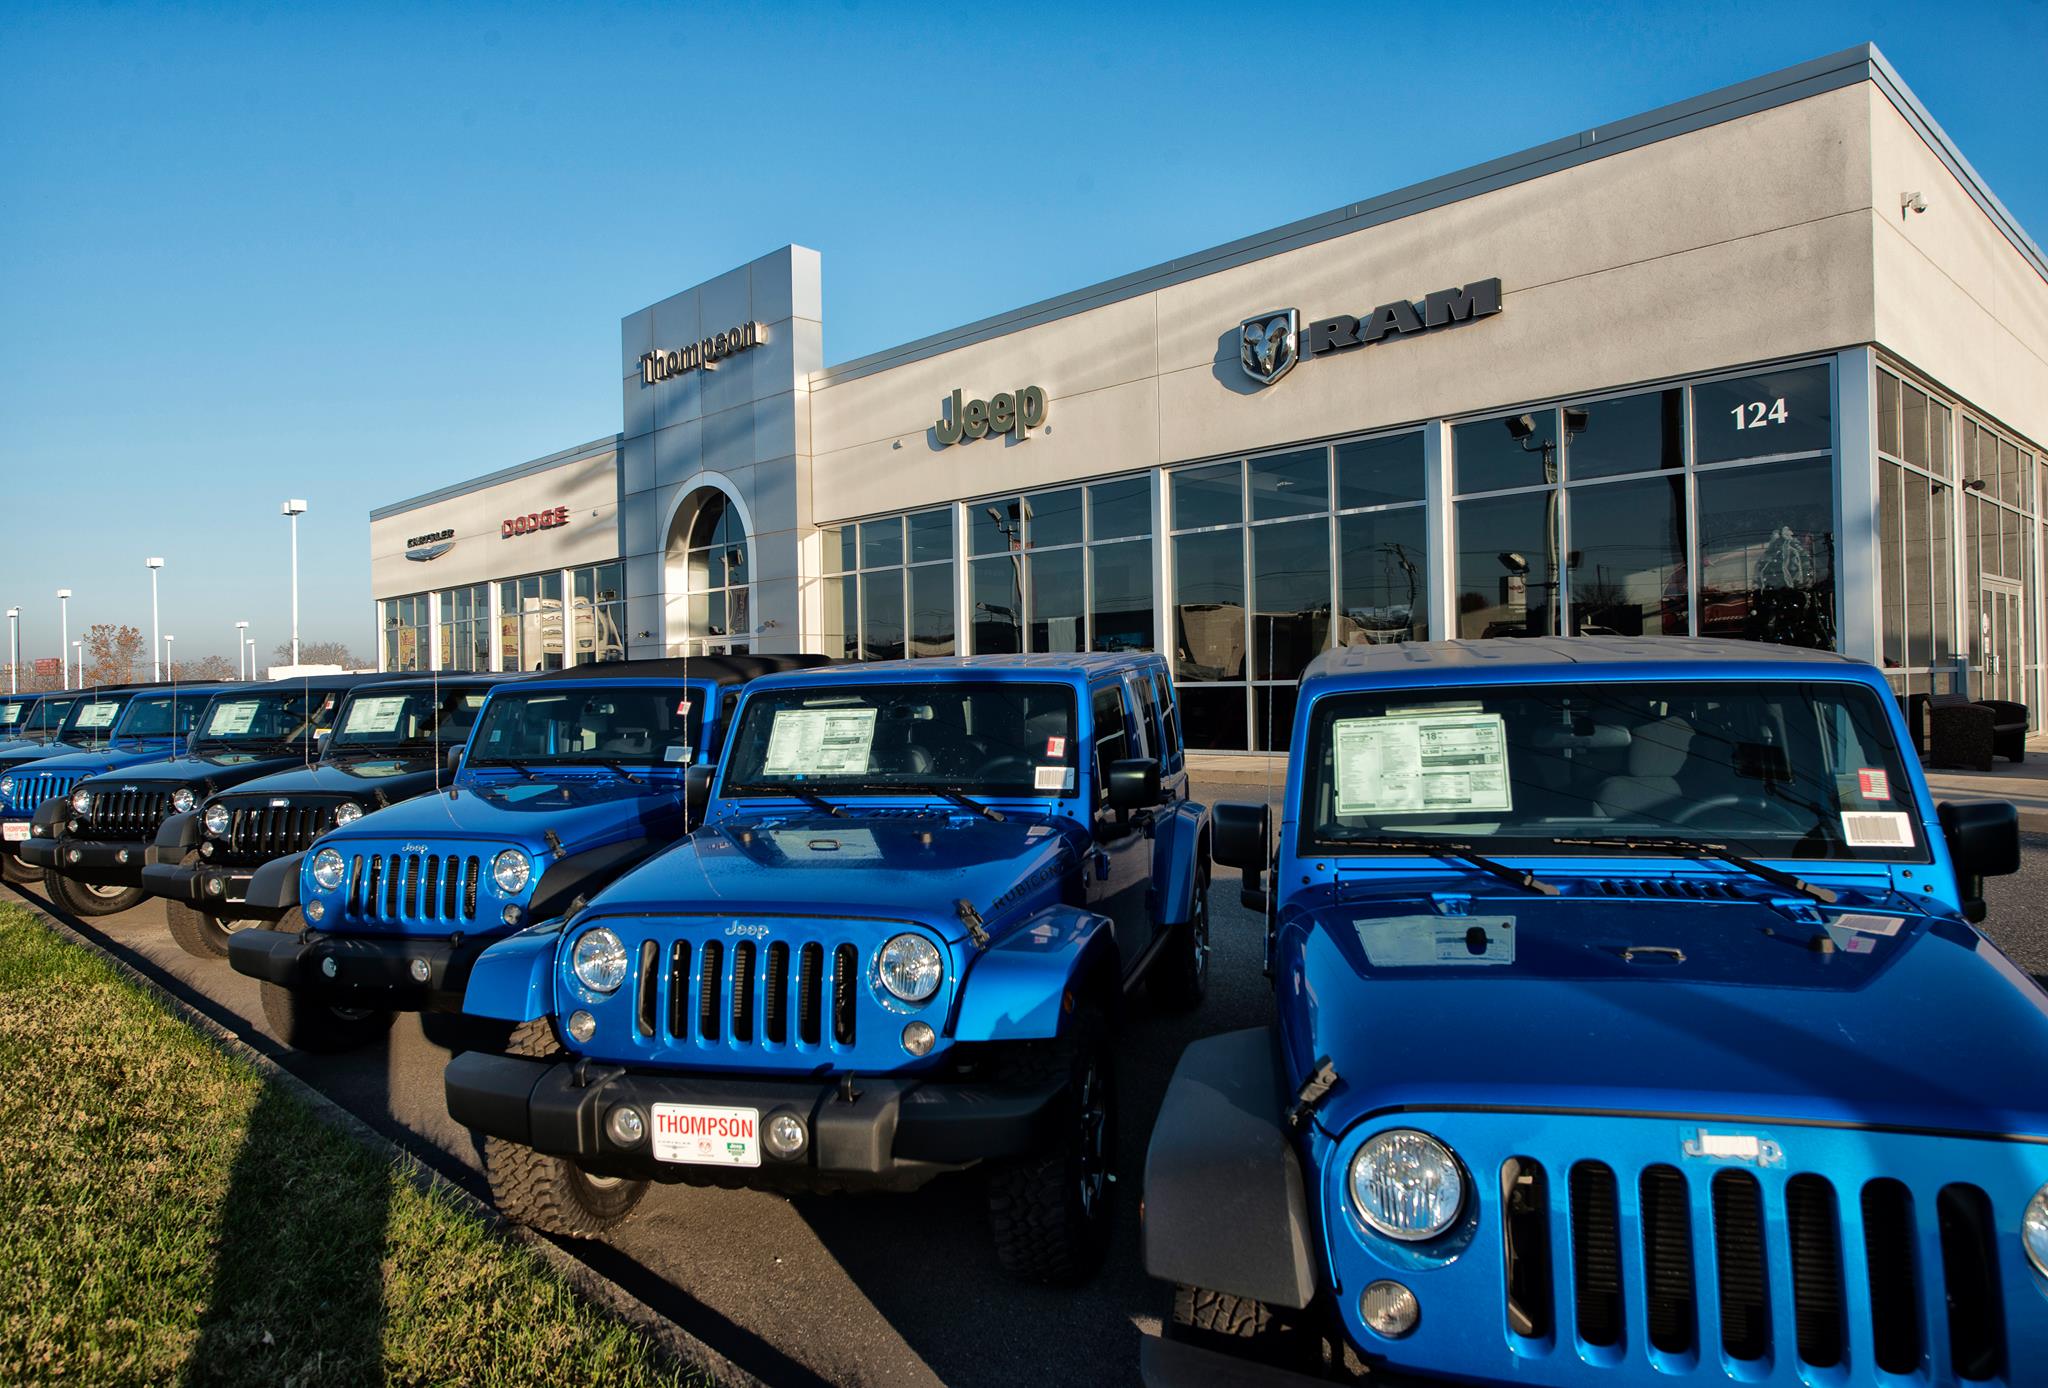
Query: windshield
pixel 978 739
pixel 645 726
pixel 1769 769
pixel 270 718
pixel 157 715
pixel 410 721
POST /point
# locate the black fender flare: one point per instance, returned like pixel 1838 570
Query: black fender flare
pixel 1225 1207
pixel 50 817
pixel 584 873
pixel 275 885
pixel 175 837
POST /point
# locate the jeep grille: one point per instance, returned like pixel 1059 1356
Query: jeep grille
pixel 400 889
pixel 125 814
pixel 790 993
pixel 258 833
pixel 31 789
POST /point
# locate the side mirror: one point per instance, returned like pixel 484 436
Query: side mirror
pixel 1983 841
pixel 454 759
pixel 1241 836
pixel 1133 784
pixel 697 793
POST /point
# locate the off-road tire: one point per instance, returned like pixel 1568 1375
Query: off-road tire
pixel 552 1194
pixel 1242 1327
pixel 1046 1228
pixel 80 900
pixel 14 870
pixel 198 934
pixel 307 1024
pixel 1180 975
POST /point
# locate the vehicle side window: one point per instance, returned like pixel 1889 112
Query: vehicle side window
pixel 1170 759
pixel 1148 715
pixel 1112 736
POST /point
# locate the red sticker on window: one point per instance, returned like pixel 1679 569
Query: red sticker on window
pixel 682 706
pixel 1875 784
pixel 1055 747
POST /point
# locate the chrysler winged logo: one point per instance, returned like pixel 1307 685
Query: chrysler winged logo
pixel 1268 344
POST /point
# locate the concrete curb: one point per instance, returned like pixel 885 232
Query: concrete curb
pixel 669 1338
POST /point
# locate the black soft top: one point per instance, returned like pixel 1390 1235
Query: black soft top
pixel 719 669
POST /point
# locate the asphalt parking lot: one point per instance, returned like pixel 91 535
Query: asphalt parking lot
pixel 871 1289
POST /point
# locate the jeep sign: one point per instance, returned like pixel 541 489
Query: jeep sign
pixel 1015 413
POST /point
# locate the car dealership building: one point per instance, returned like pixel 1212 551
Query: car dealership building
pixel 1771 363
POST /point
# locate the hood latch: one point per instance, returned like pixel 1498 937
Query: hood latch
pixel 977 930
pixel 1320 1082
pixel 555 845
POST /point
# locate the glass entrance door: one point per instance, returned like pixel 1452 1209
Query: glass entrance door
pixel 2004 643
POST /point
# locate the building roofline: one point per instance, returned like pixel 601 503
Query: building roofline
pixel 1862 63
pixel 609 444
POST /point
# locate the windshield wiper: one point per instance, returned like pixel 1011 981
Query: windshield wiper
pixel 985 811
pixel 1455 851
pixel 616 770
pixel 512 764
pixel 803 793
pixel 1686 848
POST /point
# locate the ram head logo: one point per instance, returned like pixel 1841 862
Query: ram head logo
pixel 1268 344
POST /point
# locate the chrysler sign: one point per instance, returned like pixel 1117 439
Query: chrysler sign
pixel 1270 343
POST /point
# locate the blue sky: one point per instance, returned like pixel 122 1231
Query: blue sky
pixel 353 253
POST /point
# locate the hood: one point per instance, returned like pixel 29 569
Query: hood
pixel 222 769
pixel 578 808
pixel 395 778
pixel 118 757
pixel 1725 1007
pixel 901 865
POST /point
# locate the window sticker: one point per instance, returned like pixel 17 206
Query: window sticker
pixel 841 845
pixel 1052 778
pixel 1874 783
pixel 375 715
pixel 682 707
pixel 1870 925
pixel 230 720
pixel 97 715
pixel 675 754
pixel 1055 747
pixel 1419 942
pixel 1417 763
pixel 820 741
pixel 1876 829
pixel 10 713
pixel 473 700
pixel 1849 942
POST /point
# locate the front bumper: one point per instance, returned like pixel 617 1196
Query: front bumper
pixel 102 862
pixel 891 1134
pixel 218 891
pixel 372 971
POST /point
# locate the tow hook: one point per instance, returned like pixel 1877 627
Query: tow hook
pixel 847 1093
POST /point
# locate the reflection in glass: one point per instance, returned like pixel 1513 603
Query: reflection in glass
pixel 1212 717
pixel 1121 619
pixel 1121 508
pixel 931 610
pixel 1891 564
pixel 1507 566
pixel 1207 496
pixel 881 542
pixel 1208 614
pixel 1290 597
pixel 1628 573
pixel 1918 594
pixel 1053 518
pixel 1888 414
pixel 1056 612
pixel 1273 716
pixel 1383 577
pixel 1758 416
pixel 931 535
pixel 996 590
pixel 1494 454
pixel 881 597
pixel 1378 472
pixel 995 527
pixel 1767 553
pixel 1637 433
pixel 1290 484
pixel 1913 426
pixel 838 639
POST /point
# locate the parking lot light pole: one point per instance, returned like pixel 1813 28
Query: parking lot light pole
pixel 14 650
pixel 241 643
pixel 251 644
pixel 78 659
pixel 294 509
pixel 169 668
pixel 64 631
pixel 155 675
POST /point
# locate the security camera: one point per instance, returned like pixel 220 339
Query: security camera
pixel 1912 202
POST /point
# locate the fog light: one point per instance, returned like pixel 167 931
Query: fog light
pixel 510 915
pixel 582 1025
pixel 329 967
pixel 122 856
pixel 918 1038
pixel 213 887
pixel 785 1135
pixel 315 910
pixel 625 1125
pixel 420 971
pixel 206 849
pixel 74 855
pixel 1389 1309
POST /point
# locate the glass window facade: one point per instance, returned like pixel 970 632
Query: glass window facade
pixel 405 633
pixel 889 587
pixel 465 627
pixel 599 612
pixel 530 635
pixel 1066 569
pixel 718 576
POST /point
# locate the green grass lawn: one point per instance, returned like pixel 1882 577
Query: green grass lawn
pixel 171 1216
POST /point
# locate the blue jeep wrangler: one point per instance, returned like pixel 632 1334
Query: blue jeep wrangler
pixel 47 729
pixel 393 739
pixel 894 949
pixel 30 720
pixel 94 843
pixel 568 779
pixel 1632 1028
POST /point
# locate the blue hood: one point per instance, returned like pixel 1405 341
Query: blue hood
pixel 123 753
pixel 580 809
pixel 396 778
pixel 1932 1027
pixel 895 866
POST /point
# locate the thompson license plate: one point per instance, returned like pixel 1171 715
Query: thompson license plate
pixel 707 1136
pixel 14 830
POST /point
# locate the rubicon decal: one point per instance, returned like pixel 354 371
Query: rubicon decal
pixel 1268 346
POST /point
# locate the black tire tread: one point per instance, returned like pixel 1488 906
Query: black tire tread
pixel 1038 1232
pixel 1220 1314
pixel 75 899
pixel 305 1023
pixel 544 1192
pixel 1176 983
pixel 14 870
pixel 194 931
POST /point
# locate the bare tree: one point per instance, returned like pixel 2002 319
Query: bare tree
pixel 317 653
pixel 212 667
pixel 111 652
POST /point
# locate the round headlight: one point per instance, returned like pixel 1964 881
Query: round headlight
pixel 81 801
pixel 216 820
pixel 510 870
pixel 182 800
pixel 910 967
pixel 347 812
pixel 6 787
pixel 2034 1231
pixel 599 960
pixel 1406 1184
pixel 328 868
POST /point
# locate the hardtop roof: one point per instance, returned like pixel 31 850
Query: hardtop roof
pixel 1586 656
pixel 1073 664
pixel 717 669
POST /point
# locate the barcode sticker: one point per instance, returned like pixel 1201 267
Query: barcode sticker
pixel 1876 829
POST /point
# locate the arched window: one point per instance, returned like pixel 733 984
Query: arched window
pixel 710 539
